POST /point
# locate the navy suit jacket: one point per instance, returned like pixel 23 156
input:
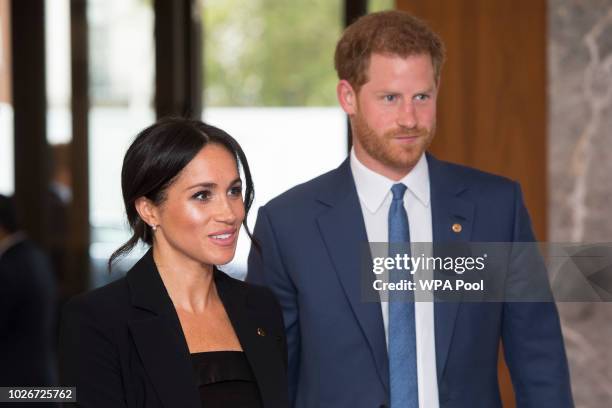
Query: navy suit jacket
pixel 311 237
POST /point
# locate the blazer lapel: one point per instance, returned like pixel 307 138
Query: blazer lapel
pixel 256 340
pixel 343 231
pixel 449 211
pixel 159 339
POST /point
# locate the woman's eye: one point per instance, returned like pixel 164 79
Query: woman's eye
pixel 202 195
pixel 235 191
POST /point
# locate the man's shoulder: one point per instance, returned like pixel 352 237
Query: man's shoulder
pixel 27 263
pixel 22 250
pixel 305 193
pixel 107 303
pixel 301 196
pixel 469 177
pixel 470 173
pixel 258 297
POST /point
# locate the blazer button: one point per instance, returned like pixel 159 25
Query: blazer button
pixel 261 332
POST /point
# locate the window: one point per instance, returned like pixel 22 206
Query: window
pixel 57 44
pixel 270 82
pixel 121 92
pixel 7 182
pixel 380 5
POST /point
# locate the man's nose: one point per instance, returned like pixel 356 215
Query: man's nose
pixel 407 115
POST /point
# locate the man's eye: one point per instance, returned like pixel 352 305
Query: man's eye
pixel 421 97
pixel 390 98
pixel 202 195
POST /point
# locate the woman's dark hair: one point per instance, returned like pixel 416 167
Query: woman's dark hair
pixel 156 157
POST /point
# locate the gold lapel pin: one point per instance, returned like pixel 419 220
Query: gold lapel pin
pixel 456 228
pixel 261 332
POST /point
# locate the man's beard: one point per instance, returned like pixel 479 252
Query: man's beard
pixel 384 150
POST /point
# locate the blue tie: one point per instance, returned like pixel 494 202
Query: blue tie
pixel 402 337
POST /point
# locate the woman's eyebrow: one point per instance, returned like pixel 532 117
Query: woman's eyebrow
pixel 213 185
pixel 203 184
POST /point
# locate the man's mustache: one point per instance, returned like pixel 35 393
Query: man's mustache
pixel 404 132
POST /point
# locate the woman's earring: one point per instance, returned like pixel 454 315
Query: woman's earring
pixel 154 227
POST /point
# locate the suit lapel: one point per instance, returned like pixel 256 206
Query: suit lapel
pixel 343 231
pixel 159 339
pixel 166 363
pixel 448 210
pixel 257 341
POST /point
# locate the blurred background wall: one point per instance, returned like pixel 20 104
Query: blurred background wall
pixel 579 168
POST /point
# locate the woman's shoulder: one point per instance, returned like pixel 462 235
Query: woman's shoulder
pixel 256 295
pixel 105 303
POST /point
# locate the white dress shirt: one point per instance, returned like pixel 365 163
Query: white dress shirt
pixel 374 191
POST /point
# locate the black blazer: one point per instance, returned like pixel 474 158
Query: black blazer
pixel 122 345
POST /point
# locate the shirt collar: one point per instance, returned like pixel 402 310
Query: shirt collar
pixel 373 188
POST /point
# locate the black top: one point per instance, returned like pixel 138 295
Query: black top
pixel 225 380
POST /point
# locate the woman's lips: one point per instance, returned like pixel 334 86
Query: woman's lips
pixel 224 238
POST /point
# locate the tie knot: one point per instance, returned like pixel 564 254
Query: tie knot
pixel 398 191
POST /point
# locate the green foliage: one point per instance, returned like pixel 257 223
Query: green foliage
pixel 270 52
pixel 380 5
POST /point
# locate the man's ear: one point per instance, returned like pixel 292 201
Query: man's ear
pixel 347 97
pixel 147 211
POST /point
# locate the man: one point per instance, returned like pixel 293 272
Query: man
pixel 27 306
pixel 346 352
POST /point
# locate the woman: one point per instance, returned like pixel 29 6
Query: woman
pixel 176 331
